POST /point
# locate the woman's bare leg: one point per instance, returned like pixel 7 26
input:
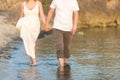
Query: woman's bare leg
pixel 31 61
pixel 34 59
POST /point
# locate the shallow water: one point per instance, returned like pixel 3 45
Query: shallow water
pixel 94 56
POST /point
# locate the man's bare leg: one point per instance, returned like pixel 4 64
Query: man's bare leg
pixel 66 60
pixel 61 63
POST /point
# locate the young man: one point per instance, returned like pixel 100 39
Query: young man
pixel 63 27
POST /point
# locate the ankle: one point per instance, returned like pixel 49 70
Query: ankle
pixel 66 60
pixel 61 62
pixel 34 60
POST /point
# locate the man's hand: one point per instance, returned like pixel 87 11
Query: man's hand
pixel 47 28
pixel 75 22
pixel 73 30
pixel 50 13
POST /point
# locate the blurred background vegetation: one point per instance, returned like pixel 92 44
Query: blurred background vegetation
pixel 93 13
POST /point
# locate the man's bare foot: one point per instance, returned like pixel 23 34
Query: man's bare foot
pixel 61 62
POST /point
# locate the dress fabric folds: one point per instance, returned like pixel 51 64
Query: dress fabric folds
pixel 29 27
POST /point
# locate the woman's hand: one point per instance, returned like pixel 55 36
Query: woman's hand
pixel 47 28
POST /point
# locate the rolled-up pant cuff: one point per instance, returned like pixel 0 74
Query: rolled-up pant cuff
pixel 61 54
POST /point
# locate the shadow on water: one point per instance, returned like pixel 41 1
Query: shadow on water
pixel 94 56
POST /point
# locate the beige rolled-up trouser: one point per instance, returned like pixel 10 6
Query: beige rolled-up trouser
pixel 62 40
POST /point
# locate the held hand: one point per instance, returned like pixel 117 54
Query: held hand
pixel 47 28
pixel 73 30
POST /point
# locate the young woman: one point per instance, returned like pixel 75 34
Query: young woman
pixel 31 10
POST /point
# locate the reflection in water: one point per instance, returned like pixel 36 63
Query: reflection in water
pixel 64 75
pixel 29 73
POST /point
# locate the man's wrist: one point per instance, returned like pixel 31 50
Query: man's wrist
pixel 74 26
pixel 46 24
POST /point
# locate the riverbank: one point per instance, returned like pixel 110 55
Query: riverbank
pixel 8 33
pixel 99 13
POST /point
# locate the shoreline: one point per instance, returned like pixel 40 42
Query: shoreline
pixel 8 34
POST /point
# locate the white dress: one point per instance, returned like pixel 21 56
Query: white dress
pixel 30 29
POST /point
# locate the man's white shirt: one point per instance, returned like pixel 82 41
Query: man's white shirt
pixel 64 13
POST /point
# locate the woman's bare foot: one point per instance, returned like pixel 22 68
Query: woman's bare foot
pixel 33 61
pixel 34 64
